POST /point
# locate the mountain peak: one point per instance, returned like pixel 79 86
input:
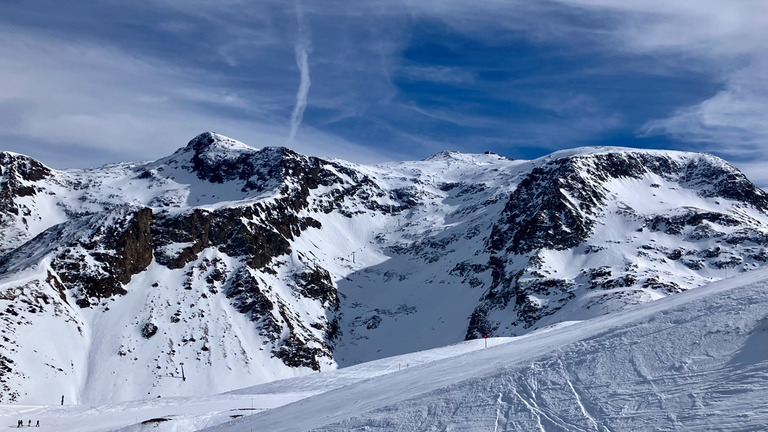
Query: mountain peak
pixel 444 154
pixel 210 155
pixel 208 141
pixel 25 167
pixel 456 156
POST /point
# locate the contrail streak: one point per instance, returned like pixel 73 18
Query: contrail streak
pixel 302 48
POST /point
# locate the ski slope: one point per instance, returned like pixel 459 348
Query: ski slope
pixel 194 413
pixel 695 361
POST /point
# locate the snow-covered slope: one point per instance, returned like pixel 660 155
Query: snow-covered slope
pixel 694 361
pixel 249 265
pixel 697 361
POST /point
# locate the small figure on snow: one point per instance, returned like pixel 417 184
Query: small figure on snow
pixel 29 423
pixel 62 399
pixel 20 423
pixel 37 423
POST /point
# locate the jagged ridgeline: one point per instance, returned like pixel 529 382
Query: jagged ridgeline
pixel 249 265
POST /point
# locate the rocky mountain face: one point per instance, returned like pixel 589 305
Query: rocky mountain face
pixel 602 210
pixel 245 265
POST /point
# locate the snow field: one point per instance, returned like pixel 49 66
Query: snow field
pixel 695 361
pixel 184 414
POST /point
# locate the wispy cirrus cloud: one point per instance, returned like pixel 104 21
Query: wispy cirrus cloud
pixel 77 103
pixel 438 74
pixel 733 121
pixel 725 39
pixel 302 48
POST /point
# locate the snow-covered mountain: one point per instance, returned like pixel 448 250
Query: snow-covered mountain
pixel 249 265
pixel 694 361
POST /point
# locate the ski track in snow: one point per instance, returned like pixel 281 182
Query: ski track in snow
pixel 498 413
pixel 535 411
pixel 576 396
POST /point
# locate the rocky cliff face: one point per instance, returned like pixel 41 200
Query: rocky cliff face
pixel 580 206
pixel 19 179
pixel 265 263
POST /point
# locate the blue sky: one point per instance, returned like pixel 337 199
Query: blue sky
pixel 90 82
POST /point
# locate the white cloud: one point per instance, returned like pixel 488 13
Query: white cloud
pixel 302 49
pixel 724 39
pixel 700 27
pixel 438 74
pixel 734 121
